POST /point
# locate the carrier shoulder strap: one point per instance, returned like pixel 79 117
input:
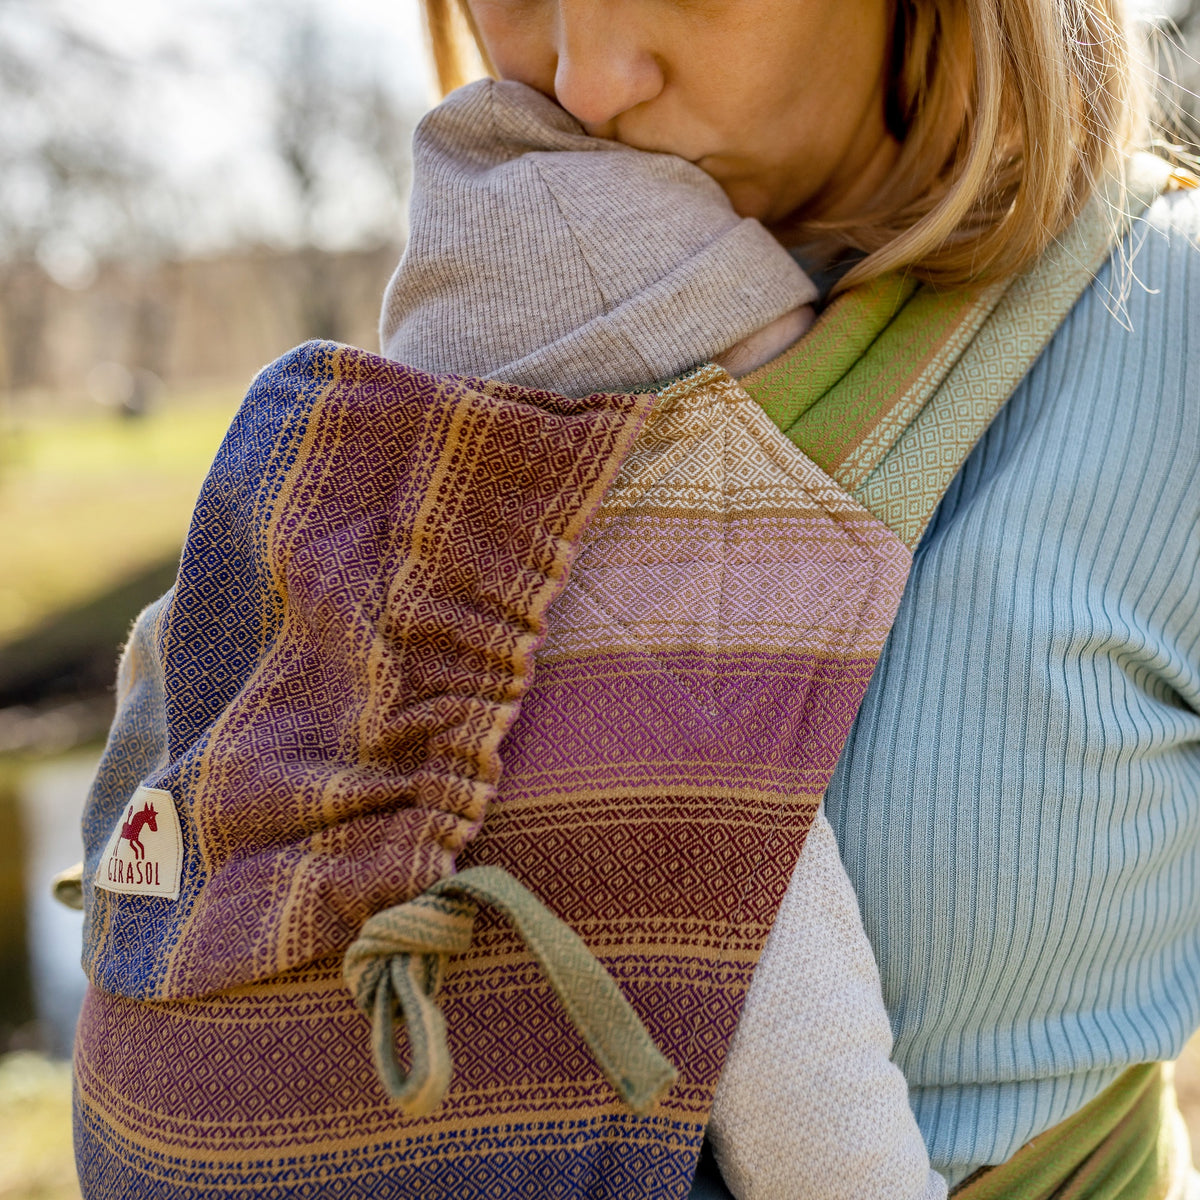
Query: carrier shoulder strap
pixel 896 382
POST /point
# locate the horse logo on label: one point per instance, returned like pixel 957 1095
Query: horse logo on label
pixel 153 863
pixel 132 828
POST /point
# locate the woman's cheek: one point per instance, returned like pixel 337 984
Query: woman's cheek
pixel 518 36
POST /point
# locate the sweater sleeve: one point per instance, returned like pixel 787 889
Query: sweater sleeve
pixel 809 1104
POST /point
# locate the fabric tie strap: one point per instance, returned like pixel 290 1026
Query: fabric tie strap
pixel 400 957
pixel 67 887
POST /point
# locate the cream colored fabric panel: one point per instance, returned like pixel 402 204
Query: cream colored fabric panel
pixel 810 1106
pixel 730 568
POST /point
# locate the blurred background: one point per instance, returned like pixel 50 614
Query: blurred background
pixel 187 189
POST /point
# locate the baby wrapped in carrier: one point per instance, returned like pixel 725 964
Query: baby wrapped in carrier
pixel 544 257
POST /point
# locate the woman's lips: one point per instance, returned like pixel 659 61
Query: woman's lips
pixel 725 168
pixel 678 149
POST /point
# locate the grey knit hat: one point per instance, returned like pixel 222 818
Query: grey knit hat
pixel 545 257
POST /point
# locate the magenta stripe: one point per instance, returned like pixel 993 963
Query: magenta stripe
pixel 740 720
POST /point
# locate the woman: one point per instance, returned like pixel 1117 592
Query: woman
pixel 1016 803
pixel 906 135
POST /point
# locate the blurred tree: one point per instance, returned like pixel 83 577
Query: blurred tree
pixel 1182 66
pixel 91 174
pixel 74 190
pixel 341 132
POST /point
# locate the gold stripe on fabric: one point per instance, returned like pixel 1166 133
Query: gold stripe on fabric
pixel 600 643
pixel 744 803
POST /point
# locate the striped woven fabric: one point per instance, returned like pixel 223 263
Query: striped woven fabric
pixel 324 691
pixel 324 700
pixel 697 680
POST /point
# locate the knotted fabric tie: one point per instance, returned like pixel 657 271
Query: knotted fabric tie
pixel 399 959
pixel 67 887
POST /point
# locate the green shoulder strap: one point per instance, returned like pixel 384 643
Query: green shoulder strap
pixel 1124 1145
pixel 896 381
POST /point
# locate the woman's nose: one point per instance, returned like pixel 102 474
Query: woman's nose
pixel 603 68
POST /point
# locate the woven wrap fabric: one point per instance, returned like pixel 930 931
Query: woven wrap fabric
pixel 895 383
pixel 362 590
pixel 398 961
pixel 1129 1143
pixel 698 677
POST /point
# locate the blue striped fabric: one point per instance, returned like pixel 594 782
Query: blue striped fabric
pixel 1019 803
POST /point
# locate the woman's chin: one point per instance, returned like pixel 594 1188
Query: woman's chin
pixel 754 196
pixel 749 197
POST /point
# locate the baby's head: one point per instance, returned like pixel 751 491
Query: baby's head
pixel 542 256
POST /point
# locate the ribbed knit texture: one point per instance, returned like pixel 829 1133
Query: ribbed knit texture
pixel 541 256
pixel 1018 806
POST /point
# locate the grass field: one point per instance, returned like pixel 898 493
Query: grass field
pixel 85 500
pixel 36 1162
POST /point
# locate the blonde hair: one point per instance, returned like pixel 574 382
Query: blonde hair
pixel 1009 112
pixel 458 55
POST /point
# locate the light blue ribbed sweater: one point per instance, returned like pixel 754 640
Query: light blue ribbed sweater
pixel 1018 806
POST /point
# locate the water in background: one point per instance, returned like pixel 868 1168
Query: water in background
pixel 51 798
